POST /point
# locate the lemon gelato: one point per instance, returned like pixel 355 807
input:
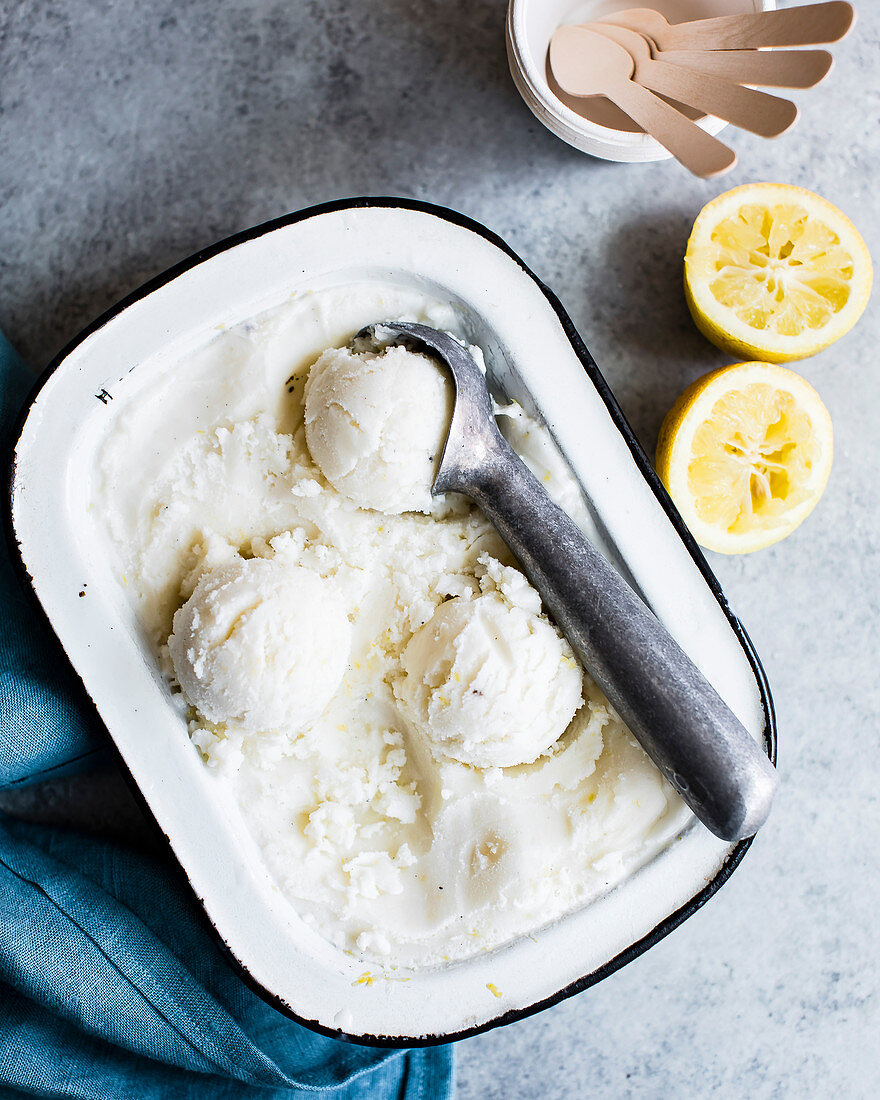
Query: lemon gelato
pixel 422 768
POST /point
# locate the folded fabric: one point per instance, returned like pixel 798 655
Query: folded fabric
pixel 111 986
pixel 111 983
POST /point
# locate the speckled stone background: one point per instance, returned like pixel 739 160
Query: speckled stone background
pixel 132 134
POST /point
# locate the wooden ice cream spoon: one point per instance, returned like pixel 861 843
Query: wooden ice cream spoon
pixel 751 110
pixel 803 26
pixel 586 63
pixel 770 68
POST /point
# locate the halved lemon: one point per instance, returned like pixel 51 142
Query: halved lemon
pixel 745 453
pixel 774 272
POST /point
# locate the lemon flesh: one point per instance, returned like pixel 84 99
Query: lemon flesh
pixel 745 454
pixel 775 272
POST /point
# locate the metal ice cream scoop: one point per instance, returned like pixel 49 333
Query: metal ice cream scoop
pixel 680 720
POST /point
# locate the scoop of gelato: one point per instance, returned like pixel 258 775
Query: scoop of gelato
pixel 376 425
pixel 489 683
pixel 261 642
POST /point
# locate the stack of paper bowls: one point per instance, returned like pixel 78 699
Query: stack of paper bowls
pixel 601 129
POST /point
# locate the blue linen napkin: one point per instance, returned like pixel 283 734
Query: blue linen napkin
pixel 111 983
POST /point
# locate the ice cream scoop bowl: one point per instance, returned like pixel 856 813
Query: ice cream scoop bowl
pixel 687 729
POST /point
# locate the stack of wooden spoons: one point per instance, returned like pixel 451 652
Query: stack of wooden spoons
pixel 648 66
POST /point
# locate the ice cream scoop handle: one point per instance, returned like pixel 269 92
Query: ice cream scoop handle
pixel 683 724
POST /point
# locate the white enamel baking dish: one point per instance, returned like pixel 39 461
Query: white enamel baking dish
pixel 534 355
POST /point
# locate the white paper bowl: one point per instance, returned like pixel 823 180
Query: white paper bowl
pixel 594 125
pixel 534 354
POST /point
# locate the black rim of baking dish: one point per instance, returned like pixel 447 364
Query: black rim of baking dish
pixel 645 468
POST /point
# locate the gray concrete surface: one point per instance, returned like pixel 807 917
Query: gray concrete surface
pixel 134 134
